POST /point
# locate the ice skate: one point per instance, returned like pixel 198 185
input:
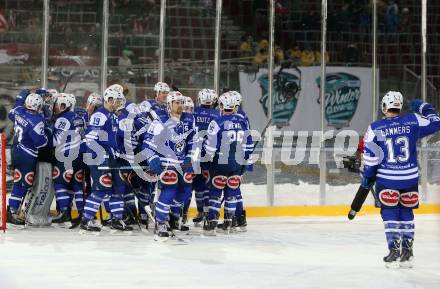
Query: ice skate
pixel 242 223
pixel 120 227
pixel 14 219
pixel 198 219
pixel 393 257
pixel 62 219
pixel 161 232
pixel 407 256
pixel 225 227
pixel 89 227
pixel 209 229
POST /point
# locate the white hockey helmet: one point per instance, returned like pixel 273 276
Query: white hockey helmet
pixel 174 96
pixel 161 87
pixel 207 96
pixel 117 87
pixel 114 92
pixel 392 99
pixel 71 98
pixel 227 101
pixel 64 98
pixel 237 96
pixel 188 103
pixel 94 99
pixel 34 102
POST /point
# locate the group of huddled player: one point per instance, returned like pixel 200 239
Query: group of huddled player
pixel 142 161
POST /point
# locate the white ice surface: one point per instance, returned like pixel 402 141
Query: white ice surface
pixel 275 253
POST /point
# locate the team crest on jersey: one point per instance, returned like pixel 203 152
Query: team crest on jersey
pixel 287 87
pixel 68 175
pixel 17 176
pixel 219 182
pixel 342 93
pixel 409 199
pixel 234 182
pixel 180 147
pixel 29 178
pixel 106 180
pixel 169 177
pixel 389 197
pixel 55 172
pixel 79 176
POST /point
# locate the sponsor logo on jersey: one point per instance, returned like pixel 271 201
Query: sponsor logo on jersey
pixel 79 176
pixel 409 199
pixel 219 182
pixel 29 178
pixel 389 197
pixel 68 175
pixel 342 93
pixel 55 172
pixel 17 176
pixel 188 177
pixel 287 86
pixel 106 180
pixel 169 177
pixel 234 182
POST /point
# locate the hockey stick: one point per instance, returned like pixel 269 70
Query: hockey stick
pixel 358 201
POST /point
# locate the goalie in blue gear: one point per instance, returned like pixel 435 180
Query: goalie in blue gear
pixel 203 115
pixel 30 135
pixel 228 148
pixel 390 160
pixel 169 145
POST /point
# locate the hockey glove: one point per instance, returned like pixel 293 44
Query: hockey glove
pixel 187 165
pixel 155 165
pixel 21 97
pixel 420 107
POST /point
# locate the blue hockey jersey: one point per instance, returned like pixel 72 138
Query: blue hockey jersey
pixel 203 117
pixel 227 136
pixel 159 110
pixel 172 139
pixel 30 134
pixel 390 148
pixel 65 134
pixel 102 122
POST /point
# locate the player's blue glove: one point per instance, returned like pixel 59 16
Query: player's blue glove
pixel 155 165
pixel 42 92
pixel 187 165
pixel 367 182
pixel 420 107
pixel 21 97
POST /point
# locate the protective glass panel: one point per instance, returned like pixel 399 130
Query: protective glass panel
pixel 133 51
pixel 189 45
pixel 244 25
pixel 20 53
pixel 74 47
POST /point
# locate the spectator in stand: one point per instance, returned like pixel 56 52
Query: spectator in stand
pixel 405 20
pixel 260 57
pixel 318 57
pixel 124 61
pixel 392 17
pixel 351 53
pixel 246 46
pixel 295 54
pixel 307 57
pixel 279 54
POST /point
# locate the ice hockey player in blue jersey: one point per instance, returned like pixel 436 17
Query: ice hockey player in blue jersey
pixel 228 147
pixel 239 221
pixel 169 145
pixel 188 104
pixel 203 115
pixel 30 135
pixel 66 141
pixel 102 147
pixel 390 160
pixel 158 104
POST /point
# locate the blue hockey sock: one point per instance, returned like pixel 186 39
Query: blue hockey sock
pixel 239 209
pixel 407 226
pixel 93 202
pixel 17 194
pixel 200 200
pixel 164 203
pixel 79 201
pixel 214 204
pixel 390 217
pixel 230 207
pixel 116 205
pixel 63 197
